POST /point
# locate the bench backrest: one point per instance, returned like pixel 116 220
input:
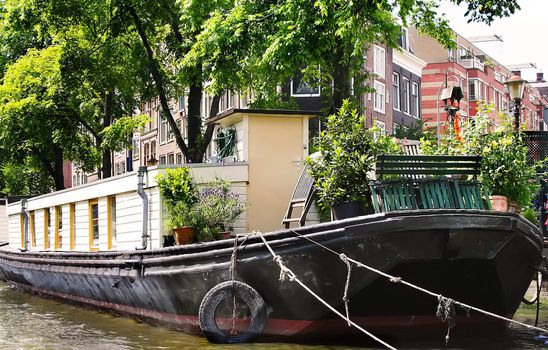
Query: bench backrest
pixel 419 166
pixel 427 182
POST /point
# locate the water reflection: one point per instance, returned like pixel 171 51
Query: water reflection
pixel 32 323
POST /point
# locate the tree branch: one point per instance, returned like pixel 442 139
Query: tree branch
pixel 159 82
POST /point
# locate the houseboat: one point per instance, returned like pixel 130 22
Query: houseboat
pixel 102 245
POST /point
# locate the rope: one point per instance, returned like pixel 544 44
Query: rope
pixel 232 273
pixel 426 291
pixel 293 277
pixel 345 298
pixel 446 311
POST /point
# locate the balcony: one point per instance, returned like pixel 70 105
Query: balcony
pixel 469 62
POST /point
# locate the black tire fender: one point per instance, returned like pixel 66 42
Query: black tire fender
pixel 222 291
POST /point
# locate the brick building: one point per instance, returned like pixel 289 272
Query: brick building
pixel 480 77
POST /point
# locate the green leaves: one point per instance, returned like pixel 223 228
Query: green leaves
pixel 348 152
pixel 504 166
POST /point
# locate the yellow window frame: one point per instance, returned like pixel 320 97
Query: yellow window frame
pixel 57 238
pixel 22 226
pixel 91 203
pixel 72 216
pixel 32 229
pixel 46 229
pixel 110 200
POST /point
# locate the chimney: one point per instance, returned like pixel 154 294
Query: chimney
pixel 517 73
pixel 540 77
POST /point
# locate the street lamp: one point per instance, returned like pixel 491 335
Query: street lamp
pixel 516 87
pixel 451 96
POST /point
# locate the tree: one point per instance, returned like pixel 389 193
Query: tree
pixel 261 44
pixel 39 124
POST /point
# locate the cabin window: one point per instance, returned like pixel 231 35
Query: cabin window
pixel 47 224
pixel 93 224
pixel 58 227
pixel 72 223
pixel 111 217
pixel 32 229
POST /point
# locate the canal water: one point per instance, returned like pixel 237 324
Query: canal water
pixel 30 322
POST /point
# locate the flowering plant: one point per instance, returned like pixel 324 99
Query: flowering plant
pixel 216 209
pixel 504 167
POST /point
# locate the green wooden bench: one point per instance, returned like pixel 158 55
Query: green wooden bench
pixel 407 182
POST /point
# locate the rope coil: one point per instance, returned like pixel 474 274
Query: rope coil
pixel 446 311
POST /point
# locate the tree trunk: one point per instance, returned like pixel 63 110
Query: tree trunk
pixel 341 83
pixel 208 134
pixel 194 122
pixel 106 170
pixel 59 177
pixel 159 83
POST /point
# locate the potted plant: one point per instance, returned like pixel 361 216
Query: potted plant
pixel 217 208
pixel 179 193
pixel 505 171
pixel 348 152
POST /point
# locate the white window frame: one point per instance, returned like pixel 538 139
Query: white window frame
pixel 379 61
pixel 163 132
pixel 407 96
pixel 405 40
pixel 379 97
pixel 136 147
pixel 315 94
pixel 415 99
pixel 396 91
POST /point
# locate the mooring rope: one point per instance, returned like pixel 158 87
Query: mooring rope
pixel 345 298
pixel 396 279
pixel 287 274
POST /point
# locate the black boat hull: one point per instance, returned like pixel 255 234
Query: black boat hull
pixel 480 258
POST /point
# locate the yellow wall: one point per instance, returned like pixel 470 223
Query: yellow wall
pixel 275 150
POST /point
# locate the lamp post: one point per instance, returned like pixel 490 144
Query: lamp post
pixel 516 87
pixel 451 96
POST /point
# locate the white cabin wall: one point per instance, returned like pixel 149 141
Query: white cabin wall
pixel 155 218
pixel 81 216
pixel 15 230
pixel 128 220
pixel 103 223
pixel 3 223
pixel 39 229
pixel 64 233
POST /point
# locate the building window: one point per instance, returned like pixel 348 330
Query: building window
pixel 58 227
pixel 47 224
pixel 181 103
pixel 72 223
pixel 406 96
pixel 415 100
pixel 32 229
pixel 379 64
pixel 396 91
pixel 136 147
pixel 163 131
pixel 308 88
pixel 464 54
pixel 230 98
pixel 93 213
pixel 379 97
pixel 404 39
pixel 451 55
pixel 381 128
pixel 170 158
pixel 179 158
pixel 111 217
pixel 162 160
